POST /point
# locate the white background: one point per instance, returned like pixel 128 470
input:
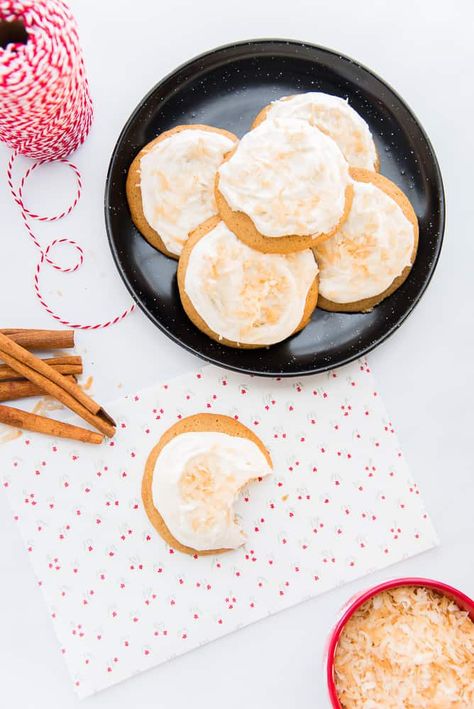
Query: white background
pixel 424 49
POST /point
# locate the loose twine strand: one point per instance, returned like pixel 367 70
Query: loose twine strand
pixel 45 114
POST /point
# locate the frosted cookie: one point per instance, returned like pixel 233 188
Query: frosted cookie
pixel 284 187
pixel 170 184
pixel 242 297
pixel 335 117
pixel 372 253
pixel 193 477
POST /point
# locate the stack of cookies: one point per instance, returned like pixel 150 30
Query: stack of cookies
pixel 293 215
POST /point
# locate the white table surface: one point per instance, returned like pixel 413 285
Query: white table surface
pixel 424 49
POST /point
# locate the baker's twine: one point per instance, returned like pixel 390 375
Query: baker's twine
pixel 45 114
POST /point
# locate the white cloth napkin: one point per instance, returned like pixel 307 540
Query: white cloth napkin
pixel 341 503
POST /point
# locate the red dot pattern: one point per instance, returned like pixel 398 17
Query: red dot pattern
pixel 341 503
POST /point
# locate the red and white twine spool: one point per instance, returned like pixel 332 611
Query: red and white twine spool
pixel 45 109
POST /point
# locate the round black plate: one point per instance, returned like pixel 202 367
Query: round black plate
pixel 226 88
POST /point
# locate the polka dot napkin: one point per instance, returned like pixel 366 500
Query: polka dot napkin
pixel 340 504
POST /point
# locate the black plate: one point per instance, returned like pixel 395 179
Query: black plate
pixel 226 88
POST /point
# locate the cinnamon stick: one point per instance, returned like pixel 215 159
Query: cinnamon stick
pixel 55 384
pixel 41 339
pixel 42 424
pixel 20 389
pixel 69 364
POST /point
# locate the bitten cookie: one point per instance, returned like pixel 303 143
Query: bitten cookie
pixel 193 477
pixel 241 297
pixel 372 253
pixel 284 187
pixel 335 117
pixel 170 184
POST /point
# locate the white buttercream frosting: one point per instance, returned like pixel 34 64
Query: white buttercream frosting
pixel 288 177
pixel 337 118
pixel 369 251
pixel 196 480
pixel 244 295
pixel 177 183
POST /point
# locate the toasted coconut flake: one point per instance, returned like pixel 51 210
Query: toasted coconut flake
pixel 406 648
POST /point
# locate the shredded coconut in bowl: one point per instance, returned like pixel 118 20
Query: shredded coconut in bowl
pixel 406 648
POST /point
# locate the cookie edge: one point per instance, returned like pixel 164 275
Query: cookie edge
pixel 133 188
pixel 359 174
pixel 244 228
pixel 195 236
pixel 262 116
pixel 201 423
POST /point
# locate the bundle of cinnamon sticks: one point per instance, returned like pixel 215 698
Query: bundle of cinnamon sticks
pixel 23 374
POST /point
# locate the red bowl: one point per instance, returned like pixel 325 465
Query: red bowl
pixel 463 601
